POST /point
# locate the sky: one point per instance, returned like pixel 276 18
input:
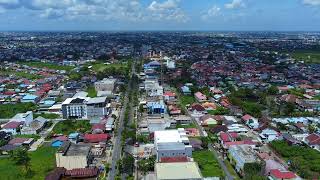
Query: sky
pixel 136 15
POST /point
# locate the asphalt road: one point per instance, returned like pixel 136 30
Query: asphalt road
pixel 116 154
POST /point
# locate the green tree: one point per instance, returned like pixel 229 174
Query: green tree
pixel 21 158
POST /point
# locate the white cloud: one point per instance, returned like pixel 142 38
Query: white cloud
pixel 212 12
pixel 235 4
pixel 126 10
pixel 168 10
pixel 311 2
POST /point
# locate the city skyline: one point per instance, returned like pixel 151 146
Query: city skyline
pixel 169 15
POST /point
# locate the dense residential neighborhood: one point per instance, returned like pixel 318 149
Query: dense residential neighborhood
pixel 160 105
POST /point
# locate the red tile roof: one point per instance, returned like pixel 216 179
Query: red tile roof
pixel 313 139
pixel 12 125
pixel 95 138
pixel 246 117
pixel 98 126
pixel 174 159
pixel 82 172
pixel 18 141
pixel 282 174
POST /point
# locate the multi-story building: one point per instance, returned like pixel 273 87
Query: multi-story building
pixel 239 155
pixel 97 107
pixel 75 108
pixel 172 143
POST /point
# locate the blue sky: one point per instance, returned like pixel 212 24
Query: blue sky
pixel 232 15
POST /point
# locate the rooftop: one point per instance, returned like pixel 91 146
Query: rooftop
pixel 178 170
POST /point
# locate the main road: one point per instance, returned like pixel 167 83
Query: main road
pixel 116 154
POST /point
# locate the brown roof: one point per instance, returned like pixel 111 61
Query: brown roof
pixel 82 172
pixel 313 139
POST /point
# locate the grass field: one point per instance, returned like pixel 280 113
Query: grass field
pixel 307 56
pixel 9 110
pixel 20 74
pixel 91 91
pixel 47 65
pixel 42 162
pixel 184 100
pixel 100 67
pixel 192 125
pixel 70 126
pixel 208 164
pixel 231 170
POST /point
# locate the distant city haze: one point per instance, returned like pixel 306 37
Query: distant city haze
pixel 146 15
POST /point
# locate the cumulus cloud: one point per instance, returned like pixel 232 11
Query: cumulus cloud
pixel 129 10
pixel 311 2
pixel 212 12
pixel 167 10
pixel 235 4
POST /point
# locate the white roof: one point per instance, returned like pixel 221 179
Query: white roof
pixel 170 136
pixel 180 170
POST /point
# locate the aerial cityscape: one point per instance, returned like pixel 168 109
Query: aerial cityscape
pixel 159 90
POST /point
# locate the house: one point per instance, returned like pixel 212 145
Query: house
pixel 250 121
pixel 186 90
pixel 35 126
pixel 208 120
pixel 276 174
pixel 313 140
pixel 96 138
pixel 239 155
pixel 169 96
pixel 30 98
pixel 225 137
pixel 157 107
pixel 209 106
pixel 98 128
pixel 74 137
pixel 178 170
pixel 73 156
pixel 12 127
pixel 172 143
pixel 21 142
pixel 25 118
pixel 200 97
pixel 268 135
pixel 183 119
pixel 290 139
pixel 58 141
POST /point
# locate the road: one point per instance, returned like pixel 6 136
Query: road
pixel 116 154
pixel 43 134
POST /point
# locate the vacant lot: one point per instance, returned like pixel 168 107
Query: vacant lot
pixel 9 110
pixel 47 65
pixel 307 56
pixel 70 126
pixel 208 164
pixel 20 74
pixel 42 162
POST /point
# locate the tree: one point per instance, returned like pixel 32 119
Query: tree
pixel 21 158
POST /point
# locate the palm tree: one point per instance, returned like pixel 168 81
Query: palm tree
pixel 21 157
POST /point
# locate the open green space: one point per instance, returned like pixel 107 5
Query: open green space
pixel 91 91
pixel 47 115
pixel 70 126
pixel 42 162
pixel 191 125
pixel 9 110
pixel 307 56
pixel 208 164
pixel 303 160
pixel 20 74
pixel 184 100
pixel 34 136
pixel 47 65
pixel 219 111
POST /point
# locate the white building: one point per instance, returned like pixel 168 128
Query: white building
pixel 74 108
pixel 178 170
pixel 240 155
pixel 172 143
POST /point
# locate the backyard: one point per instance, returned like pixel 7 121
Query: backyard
pixel 42 162
pixel 208 164
pixel 91 91
pixel 70 126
